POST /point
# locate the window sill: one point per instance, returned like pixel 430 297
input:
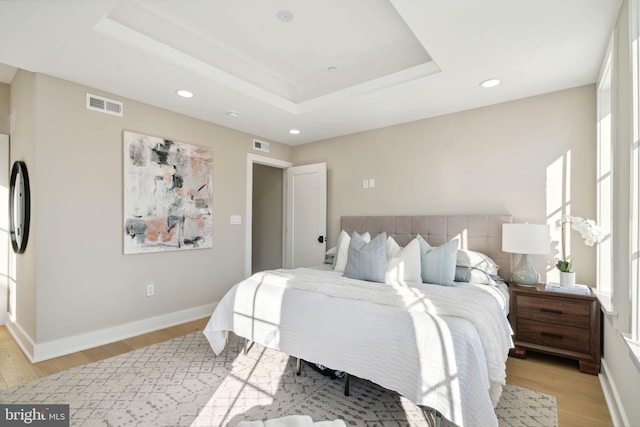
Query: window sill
pixel 606 303
pixel 634 350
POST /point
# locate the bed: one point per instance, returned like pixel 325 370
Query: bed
pixel 443 347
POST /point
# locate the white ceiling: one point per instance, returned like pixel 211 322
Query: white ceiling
pixel 271 60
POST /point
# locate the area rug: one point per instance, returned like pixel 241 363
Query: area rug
pixel 182 383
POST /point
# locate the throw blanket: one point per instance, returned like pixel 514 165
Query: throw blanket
pixel 441 347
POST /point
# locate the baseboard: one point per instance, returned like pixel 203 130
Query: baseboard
pixel 50 349
pixel 23 339
pixel 611 396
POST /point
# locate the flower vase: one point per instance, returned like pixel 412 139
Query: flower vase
pixel 567 278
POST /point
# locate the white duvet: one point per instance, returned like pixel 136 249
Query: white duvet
pixel 440 347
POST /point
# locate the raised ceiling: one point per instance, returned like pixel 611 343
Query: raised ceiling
pixel 327 68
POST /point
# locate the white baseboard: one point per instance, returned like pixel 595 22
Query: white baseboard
pixel 63 346
pixel 22 338
pixel 611 396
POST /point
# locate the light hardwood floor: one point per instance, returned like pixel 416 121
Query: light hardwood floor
pixel 579 396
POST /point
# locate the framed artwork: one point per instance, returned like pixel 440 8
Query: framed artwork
pixel 168 195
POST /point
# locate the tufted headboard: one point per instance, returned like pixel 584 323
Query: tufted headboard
pixel 481 233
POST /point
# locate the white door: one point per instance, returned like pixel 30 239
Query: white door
pixel 306 215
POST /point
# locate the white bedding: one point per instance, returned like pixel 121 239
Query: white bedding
pixel 441 347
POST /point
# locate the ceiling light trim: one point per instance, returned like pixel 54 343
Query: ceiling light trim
pixel 134 39
pixel 396 79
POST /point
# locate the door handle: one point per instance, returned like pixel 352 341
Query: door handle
pixel 321 239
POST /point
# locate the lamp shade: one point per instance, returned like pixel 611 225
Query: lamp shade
pixel 532 239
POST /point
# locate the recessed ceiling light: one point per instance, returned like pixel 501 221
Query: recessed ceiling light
pixel 233 114
pixel 285 16
pixel 490 83
pixel 184 93
pixel 294 131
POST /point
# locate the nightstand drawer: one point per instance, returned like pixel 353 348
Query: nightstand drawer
pixel 561 312
pixel 553 335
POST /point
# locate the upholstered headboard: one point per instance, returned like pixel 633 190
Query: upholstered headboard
pixel 481 233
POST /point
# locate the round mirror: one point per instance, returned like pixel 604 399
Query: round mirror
pixel 19 207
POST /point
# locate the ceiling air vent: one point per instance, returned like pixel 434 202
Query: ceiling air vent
pixel 104 105
pixel 260 145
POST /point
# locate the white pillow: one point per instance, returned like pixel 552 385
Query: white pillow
pixel 342 250
pixel 467 258
pixel 393 248
pixel 405 263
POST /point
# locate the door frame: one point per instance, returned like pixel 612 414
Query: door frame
pixel 267 161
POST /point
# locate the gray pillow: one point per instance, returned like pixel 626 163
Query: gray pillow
pixel 367 261
pixel 475 276
pixel 438 264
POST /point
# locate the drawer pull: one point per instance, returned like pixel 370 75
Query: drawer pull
pixel 548 310
pixel 551 335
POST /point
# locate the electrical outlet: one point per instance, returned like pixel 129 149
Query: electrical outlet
pixel 151 290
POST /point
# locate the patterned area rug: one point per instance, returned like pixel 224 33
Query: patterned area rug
pixel 182 383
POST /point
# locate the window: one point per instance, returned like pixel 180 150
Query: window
pixel 604 181
pixel 634 291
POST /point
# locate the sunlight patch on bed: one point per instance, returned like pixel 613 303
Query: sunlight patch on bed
pixel 261 319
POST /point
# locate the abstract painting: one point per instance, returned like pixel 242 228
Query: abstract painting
pixel 168 195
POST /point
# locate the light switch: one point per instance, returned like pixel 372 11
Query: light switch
pixel 372 183
pixel 236 219
pixel 365 183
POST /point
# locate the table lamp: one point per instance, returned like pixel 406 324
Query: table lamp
pixel 525 239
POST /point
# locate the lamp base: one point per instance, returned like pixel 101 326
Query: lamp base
pixel 524 273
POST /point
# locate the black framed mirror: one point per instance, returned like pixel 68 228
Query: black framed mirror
pixel 19 206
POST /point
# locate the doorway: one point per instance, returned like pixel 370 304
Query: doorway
pixel 267 218
pixel 302 214
pixel 281 165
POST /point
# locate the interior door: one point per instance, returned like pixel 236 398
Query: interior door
pixel 306 215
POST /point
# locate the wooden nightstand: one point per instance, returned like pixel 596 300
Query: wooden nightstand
pixel 557 323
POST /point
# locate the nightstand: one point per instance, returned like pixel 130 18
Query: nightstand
pixel 556 323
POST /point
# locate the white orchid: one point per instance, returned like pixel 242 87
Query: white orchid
pixel 589 231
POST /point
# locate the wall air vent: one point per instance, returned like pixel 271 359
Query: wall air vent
pixel 104 105
pixel 260 145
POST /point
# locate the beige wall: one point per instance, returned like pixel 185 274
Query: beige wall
pixel 81 282
pixel 533 158
pixel 23 268
pixel 5 90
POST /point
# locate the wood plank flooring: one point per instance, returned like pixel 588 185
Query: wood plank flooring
pixel 579 396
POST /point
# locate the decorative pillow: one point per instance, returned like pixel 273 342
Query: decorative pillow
pixel 367 261
pixel 467 258
pixel 438 264
pixel 393 248
pixel 475 276
pixel 404 263
pixel 342 250
pixel 330 256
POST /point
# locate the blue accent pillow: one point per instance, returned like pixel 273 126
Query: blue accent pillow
pixel 438 264
pixel 475 276
pixel 367 261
